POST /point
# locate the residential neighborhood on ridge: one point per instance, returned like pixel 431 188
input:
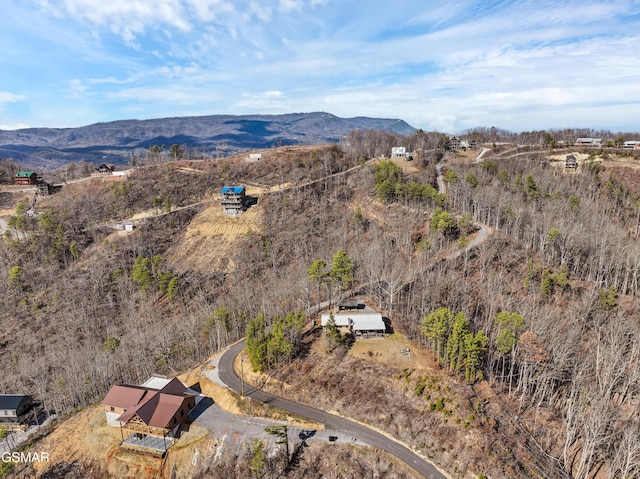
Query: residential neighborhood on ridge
pixel 317 239
pixel 238 310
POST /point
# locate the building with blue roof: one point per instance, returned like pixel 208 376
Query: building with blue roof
pixel 233 200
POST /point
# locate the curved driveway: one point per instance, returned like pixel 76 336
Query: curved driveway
pixel 336 423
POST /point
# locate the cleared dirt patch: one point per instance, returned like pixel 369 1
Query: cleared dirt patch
pixel 209 239
pixel 388 350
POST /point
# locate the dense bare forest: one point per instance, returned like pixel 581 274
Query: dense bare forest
pixel 554 289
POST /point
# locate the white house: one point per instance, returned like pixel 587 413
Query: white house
pixel 253 157
pixel 595 142
pixel 399 152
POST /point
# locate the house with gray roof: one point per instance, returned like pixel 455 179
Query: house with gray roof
pixel 360 324
pixel 14 408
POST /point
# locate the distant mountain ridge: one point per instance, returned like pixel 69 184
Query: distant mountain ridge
pixel 116 141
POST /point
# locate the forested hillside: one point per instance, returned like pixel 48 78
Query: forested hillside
pixel 543 314
pixel 202 137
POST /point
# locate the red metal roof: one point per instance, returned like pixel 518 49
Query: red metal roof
pixel 155 408
pixel 124 396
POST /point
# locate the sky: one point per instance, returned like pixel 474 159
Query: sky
pixel 519 65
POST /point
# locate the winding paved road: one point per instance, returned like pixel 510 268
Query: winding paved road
pixel 345 426
pixel 331 421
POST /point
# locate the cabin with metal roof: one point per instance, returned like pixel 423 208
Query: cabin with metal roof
pixel 105 169
pixel 149 416
pixel 233 200
pixel 26 178
pixel 360 324
pixel 592 142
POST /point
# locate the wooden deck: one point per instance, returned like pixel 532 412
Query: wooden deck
pixel 154 445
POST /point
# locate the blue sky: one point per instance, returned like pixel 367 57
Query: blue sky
pixel 446 66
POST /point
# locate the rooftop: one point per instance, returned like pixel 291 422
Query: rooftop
pixel 11 401
pixel 233 189
pixel 155 402
pixel 359 321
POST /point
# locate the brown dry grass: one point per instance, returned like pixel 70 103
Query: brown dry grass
pixel 406 165
pixel 252 378
pixel 86 438
pixel 387 351
pixel 468 156
pixel 209 239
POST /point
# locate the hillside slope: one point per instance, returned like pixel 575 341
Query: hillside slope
pixel 543 353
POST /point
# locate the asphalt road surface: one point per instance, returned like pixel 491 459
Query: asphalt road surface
pixel 345 426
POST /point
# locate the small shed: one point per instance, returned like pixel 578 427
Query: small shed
pixel 253 157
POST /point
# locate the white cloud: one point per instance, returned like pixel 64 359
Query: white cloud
pixel 6 97
pixel 262 102
pixel 466 63
pixel 77 89
pixel 290 5
pixel 208 11
pixel 17 126
pixel 129 18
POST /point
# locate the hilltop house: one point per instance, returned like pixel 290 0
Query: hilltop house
pixel 105 169
pixel 399 152
pixel 360 324
pixel 25 178
pixel 150 415
pixel 14 408
pixel 456 143
pixel 592 142
pixel 233 200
